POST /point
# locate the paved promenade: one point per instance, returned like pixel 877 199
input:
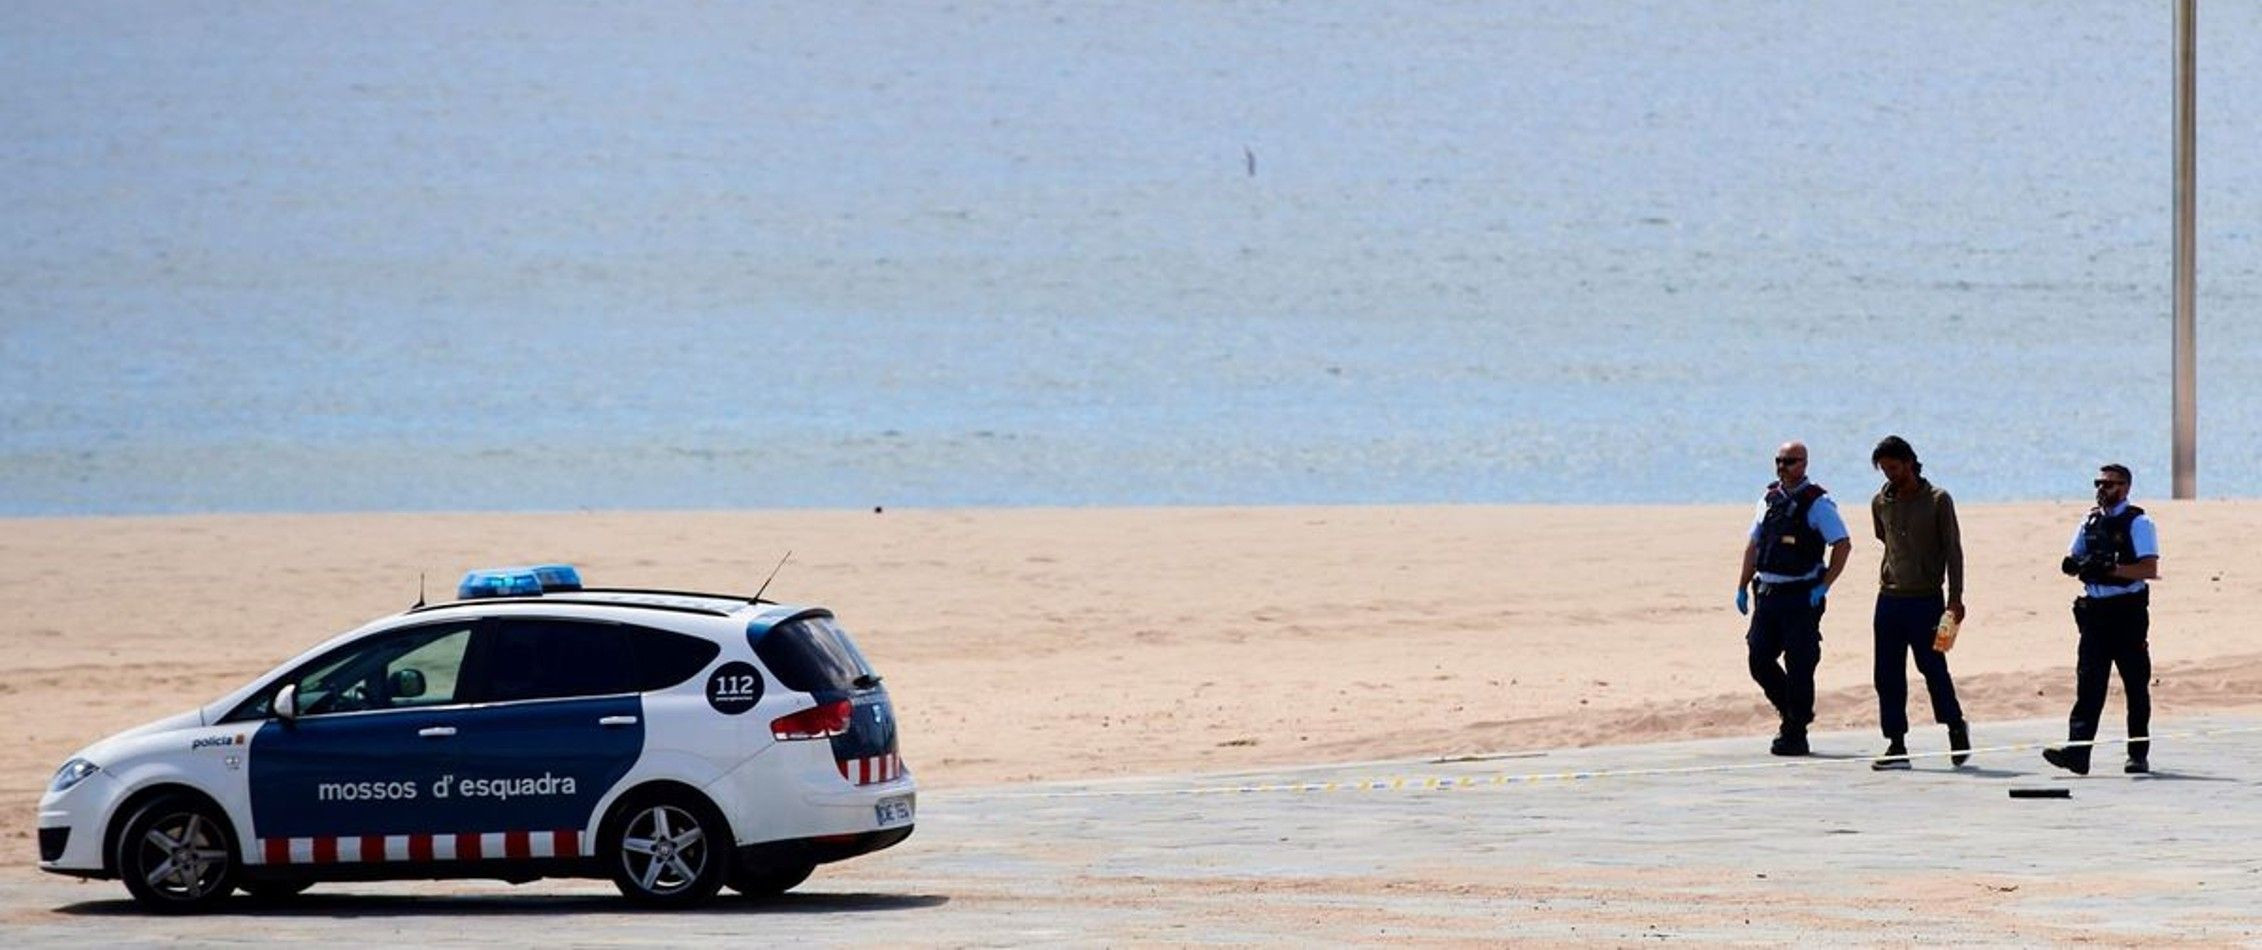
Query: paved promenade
pixel 1703 841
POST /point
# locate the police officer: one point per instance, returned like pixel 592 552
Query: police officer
pixel 1924 547
pixel 1783 552
pixel 2115 553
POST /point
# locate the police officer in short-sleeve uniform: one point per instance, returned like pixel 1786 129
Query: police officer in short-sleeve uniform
pixel 2115 553
pixel 1783 553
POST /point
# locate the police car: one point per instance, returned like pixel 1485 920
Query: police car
pixel 671 741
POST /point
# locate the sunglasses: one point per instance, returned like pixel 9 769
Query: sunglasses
pixel 2102 482
pixel 1789 460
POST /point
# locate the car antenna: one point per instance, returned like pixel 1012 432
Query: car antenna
pixel 773 576
pixel 419 590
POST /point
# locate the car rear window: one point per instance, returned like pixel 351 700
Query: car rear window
pixel 812 654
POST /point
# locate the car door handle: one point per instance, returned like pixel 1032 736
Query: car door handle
pixel 436 732
pixel 617 721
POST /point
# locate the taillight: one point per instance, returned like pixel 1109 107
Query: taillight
pixel 824 722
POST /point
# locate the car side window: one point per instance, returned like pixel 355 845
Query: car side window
pixel 413 668
pixel 427 675
pixel 540 658
pixel 402 669
pixel 665 659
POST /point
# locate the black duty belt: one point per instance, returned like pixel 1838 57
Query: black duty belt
pixel 2135 598
pixel 1787 587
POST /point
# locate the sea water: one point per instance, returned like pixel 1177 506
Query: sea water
pixel 368 256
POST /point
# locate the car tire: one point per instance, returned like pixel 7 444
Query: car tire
pixel 667 850
pixel 769 882
pixel 177 856
pixel 275 889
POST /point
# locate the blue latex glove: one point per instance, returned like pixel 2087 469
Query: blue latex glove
pixel 1814 597
pixel 1743 599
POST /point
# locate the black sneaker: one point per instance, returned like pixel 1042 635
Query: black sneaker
pixel 2068 759
pixel 2137 766
pixel 1789 742
pixel 1896 757
pixel 1959 743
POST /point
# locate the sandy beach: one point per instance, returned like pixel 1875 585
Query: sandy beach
pixel 1079 643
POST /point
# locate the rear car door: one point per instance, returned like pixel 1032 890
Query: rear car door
pixel 558 722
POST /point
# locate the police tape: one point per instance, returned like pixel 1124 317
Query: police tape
pixel 1439 783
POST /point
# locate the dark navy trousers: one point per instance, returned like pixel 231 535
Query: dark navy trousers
pixel 1783 627
pixel 2114 632
pixel 1905 626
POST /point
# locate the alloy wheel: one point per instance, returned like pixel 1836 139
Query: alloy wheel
pixel 665 850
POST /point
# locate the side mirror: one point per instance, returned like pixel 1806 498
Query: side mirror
pixel 286 703
pixel 407 684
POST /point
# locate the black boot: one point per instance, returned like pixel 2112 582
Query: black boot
pixel 2072 760
pixel 1896 756
pixel 2137 765
pixel 1789 740
pixel 1959 743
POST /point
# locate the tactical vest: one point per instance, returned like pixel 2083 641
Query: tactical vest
pixel 1788 545
pixel 2101 533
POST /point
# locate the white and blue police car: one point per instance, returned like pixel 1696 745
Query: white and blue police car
pixel 672 741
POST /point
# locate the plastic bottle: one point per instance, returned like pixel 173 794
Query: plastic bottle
pixel 1944 635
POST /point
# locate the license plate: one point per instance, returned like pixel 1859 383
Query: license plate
pixel 893 811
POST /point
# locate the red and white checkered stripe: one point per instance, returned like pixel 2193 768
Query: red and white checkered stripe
pixel 463 847
pixel 871 770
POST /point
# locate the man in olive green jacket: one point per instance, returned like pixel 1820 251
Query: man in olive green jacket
pixel 1916 520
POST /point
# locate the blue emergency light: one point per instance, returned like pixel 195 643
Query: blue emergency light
pixel 556 577
pixel 498 582
pixel 518 581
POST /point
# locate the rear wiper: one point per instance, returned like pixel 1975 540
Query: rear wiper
pixel 866 681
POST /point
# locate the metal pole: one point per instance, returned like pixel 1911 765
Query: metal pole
pixel 2186 450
